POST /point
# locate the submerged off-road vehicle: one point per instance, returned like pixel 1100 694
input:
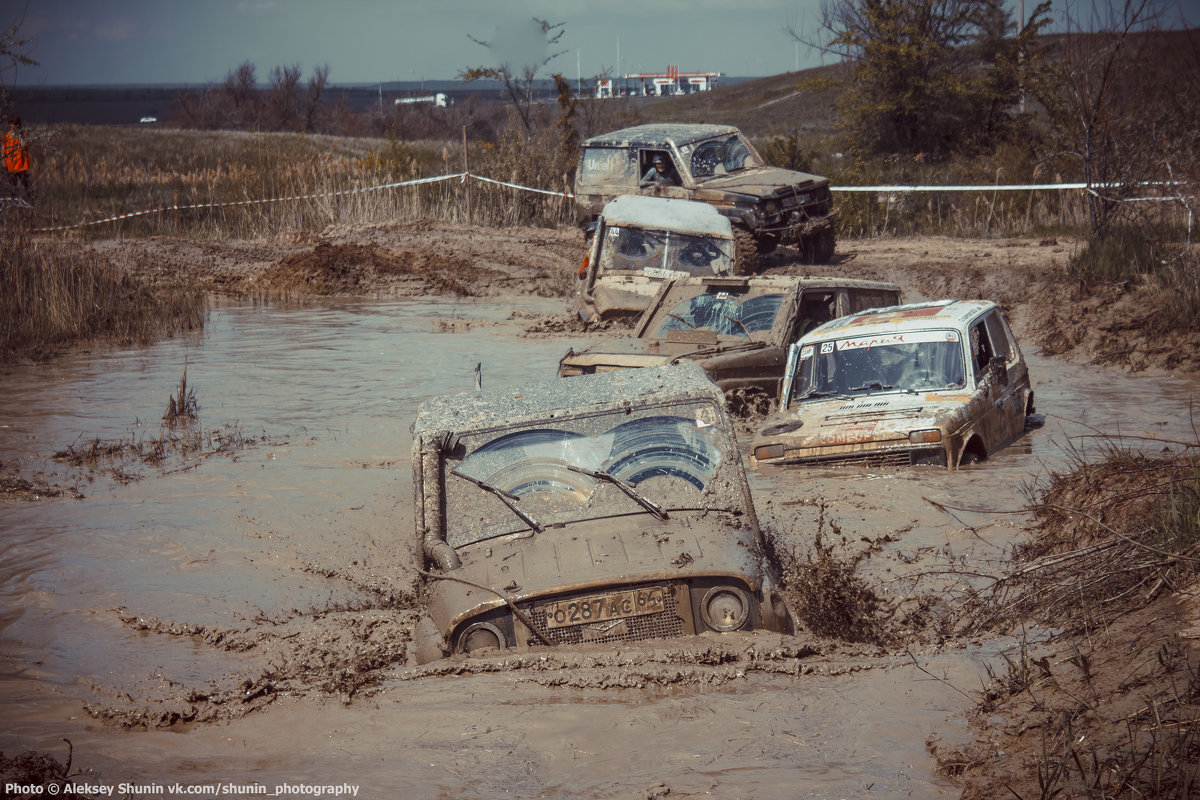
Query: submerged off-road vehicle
pixel 605 508
pixel 716 164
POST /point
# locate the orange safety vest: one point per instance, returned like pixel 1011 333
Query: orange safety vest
pixel 16 153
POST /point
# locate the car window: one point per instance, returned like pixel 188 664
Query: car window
pixel 998 336
pixel 816 308
pixel 722 156
pixel 669 455
pixel 724 313
pixel 639 249
pixel 981 350
pixel 863 299
pixel 915 362
pixel 607 165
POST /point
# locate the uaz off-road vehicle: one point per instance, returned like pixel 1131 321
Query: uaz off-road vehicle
pixel 638 243
pixel 716 164
pixel 607 508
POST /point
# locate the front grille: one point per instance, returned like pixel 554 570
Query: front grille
pixel 876 460
pixel 663 625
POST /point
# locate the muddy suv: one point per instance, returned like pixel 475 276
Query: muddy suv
pixel 737 329
pixel 609 508
pixel 716 164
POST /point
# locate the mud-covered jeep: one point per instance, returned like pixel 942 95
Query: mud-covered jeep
pixel 715 164
pixel 638 243
pixel 606 508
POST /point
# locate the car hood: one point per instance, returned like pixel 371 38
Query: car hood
pixel 884 415
pixel 647 352
pixel 764 181
pixel 594 555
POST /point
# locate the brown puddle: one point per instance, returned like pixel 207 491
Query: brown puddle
pixel 243 616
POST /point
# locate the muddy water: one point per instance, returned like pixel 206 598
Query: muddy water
pixel 311 516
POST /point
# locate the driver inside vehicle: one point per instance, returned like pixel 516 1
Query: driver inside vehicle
pixel 661 172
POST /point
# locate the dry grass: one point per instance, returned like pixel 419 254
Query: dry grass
pixel 55 293
pixel 1112 536
pixel 89 174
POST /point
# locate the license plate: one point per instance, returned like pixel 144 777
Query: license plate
pixel 601 607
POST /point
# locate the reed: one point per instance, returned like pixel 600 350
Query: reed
pixel 315 181
pixel 56 292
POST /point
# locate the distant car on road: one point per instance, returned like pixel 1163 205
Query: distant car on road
pixel 714 164
pixel 606 509
pixel 940 383
pixel 737 329
pixel 639 242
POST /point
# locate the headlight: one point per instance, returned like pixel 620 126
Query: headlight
pixel 924 437
pixel 480 636
pixel 769 451
pixel 771 207
pixel 725 608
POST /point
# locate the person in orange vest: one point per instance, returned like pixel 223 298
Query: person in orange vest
pixel 16 156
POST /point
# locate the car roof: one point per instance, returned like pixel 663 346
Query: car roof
pixel 525 403
pixel 657 134
pixel 667 213
pixel 958 314
pixel 781 282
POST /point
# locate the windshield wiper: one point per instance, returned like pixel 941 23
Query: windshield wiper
pixel 651 506
pixel 741 325
pixel 816 393
pixel 681 319
pixel 509 499
pixel 882 386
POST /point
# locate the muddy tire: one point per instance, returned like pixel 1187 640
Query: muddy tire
pixel 818 248
pixel 747 403
pixel 745 260
pixel 767 243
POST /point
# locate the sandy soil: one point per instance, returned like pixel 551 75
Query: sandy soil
pixel 1151 648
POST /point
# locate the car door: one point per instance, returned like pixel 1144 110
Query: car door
pixel 993 410
pixel 1016 377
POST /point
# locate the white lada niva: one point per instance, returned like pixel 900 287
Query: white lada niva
pixel 940 383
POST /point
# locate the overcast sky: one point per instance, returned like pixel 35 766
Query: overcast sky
pixel 368 41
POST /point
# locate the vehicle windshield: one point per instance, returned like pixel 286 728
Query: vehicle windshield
pixel 662 253
pixel 564 472
pixel 721 156
pixel 724 313
pixel 918 361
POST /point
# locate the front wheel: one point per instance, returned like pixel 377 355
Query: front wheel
pixel 818 248
pixel 745 252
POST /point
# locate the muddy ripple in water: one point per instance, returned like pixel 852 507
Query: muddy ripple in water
pixel 278 579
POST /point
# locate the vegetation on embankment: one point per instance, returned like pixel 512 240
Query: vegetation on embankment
pixel 1103 701
pixel 55 293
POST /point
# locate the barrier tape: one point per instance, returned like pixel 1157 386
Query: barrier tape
pixel 228 203
pixel 462 176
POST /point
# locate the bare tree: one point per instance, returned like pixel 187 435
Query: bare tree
pixel 12 57
pixel 1123 105
pixel 520 53
pixel 314 95
pixel 283 99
